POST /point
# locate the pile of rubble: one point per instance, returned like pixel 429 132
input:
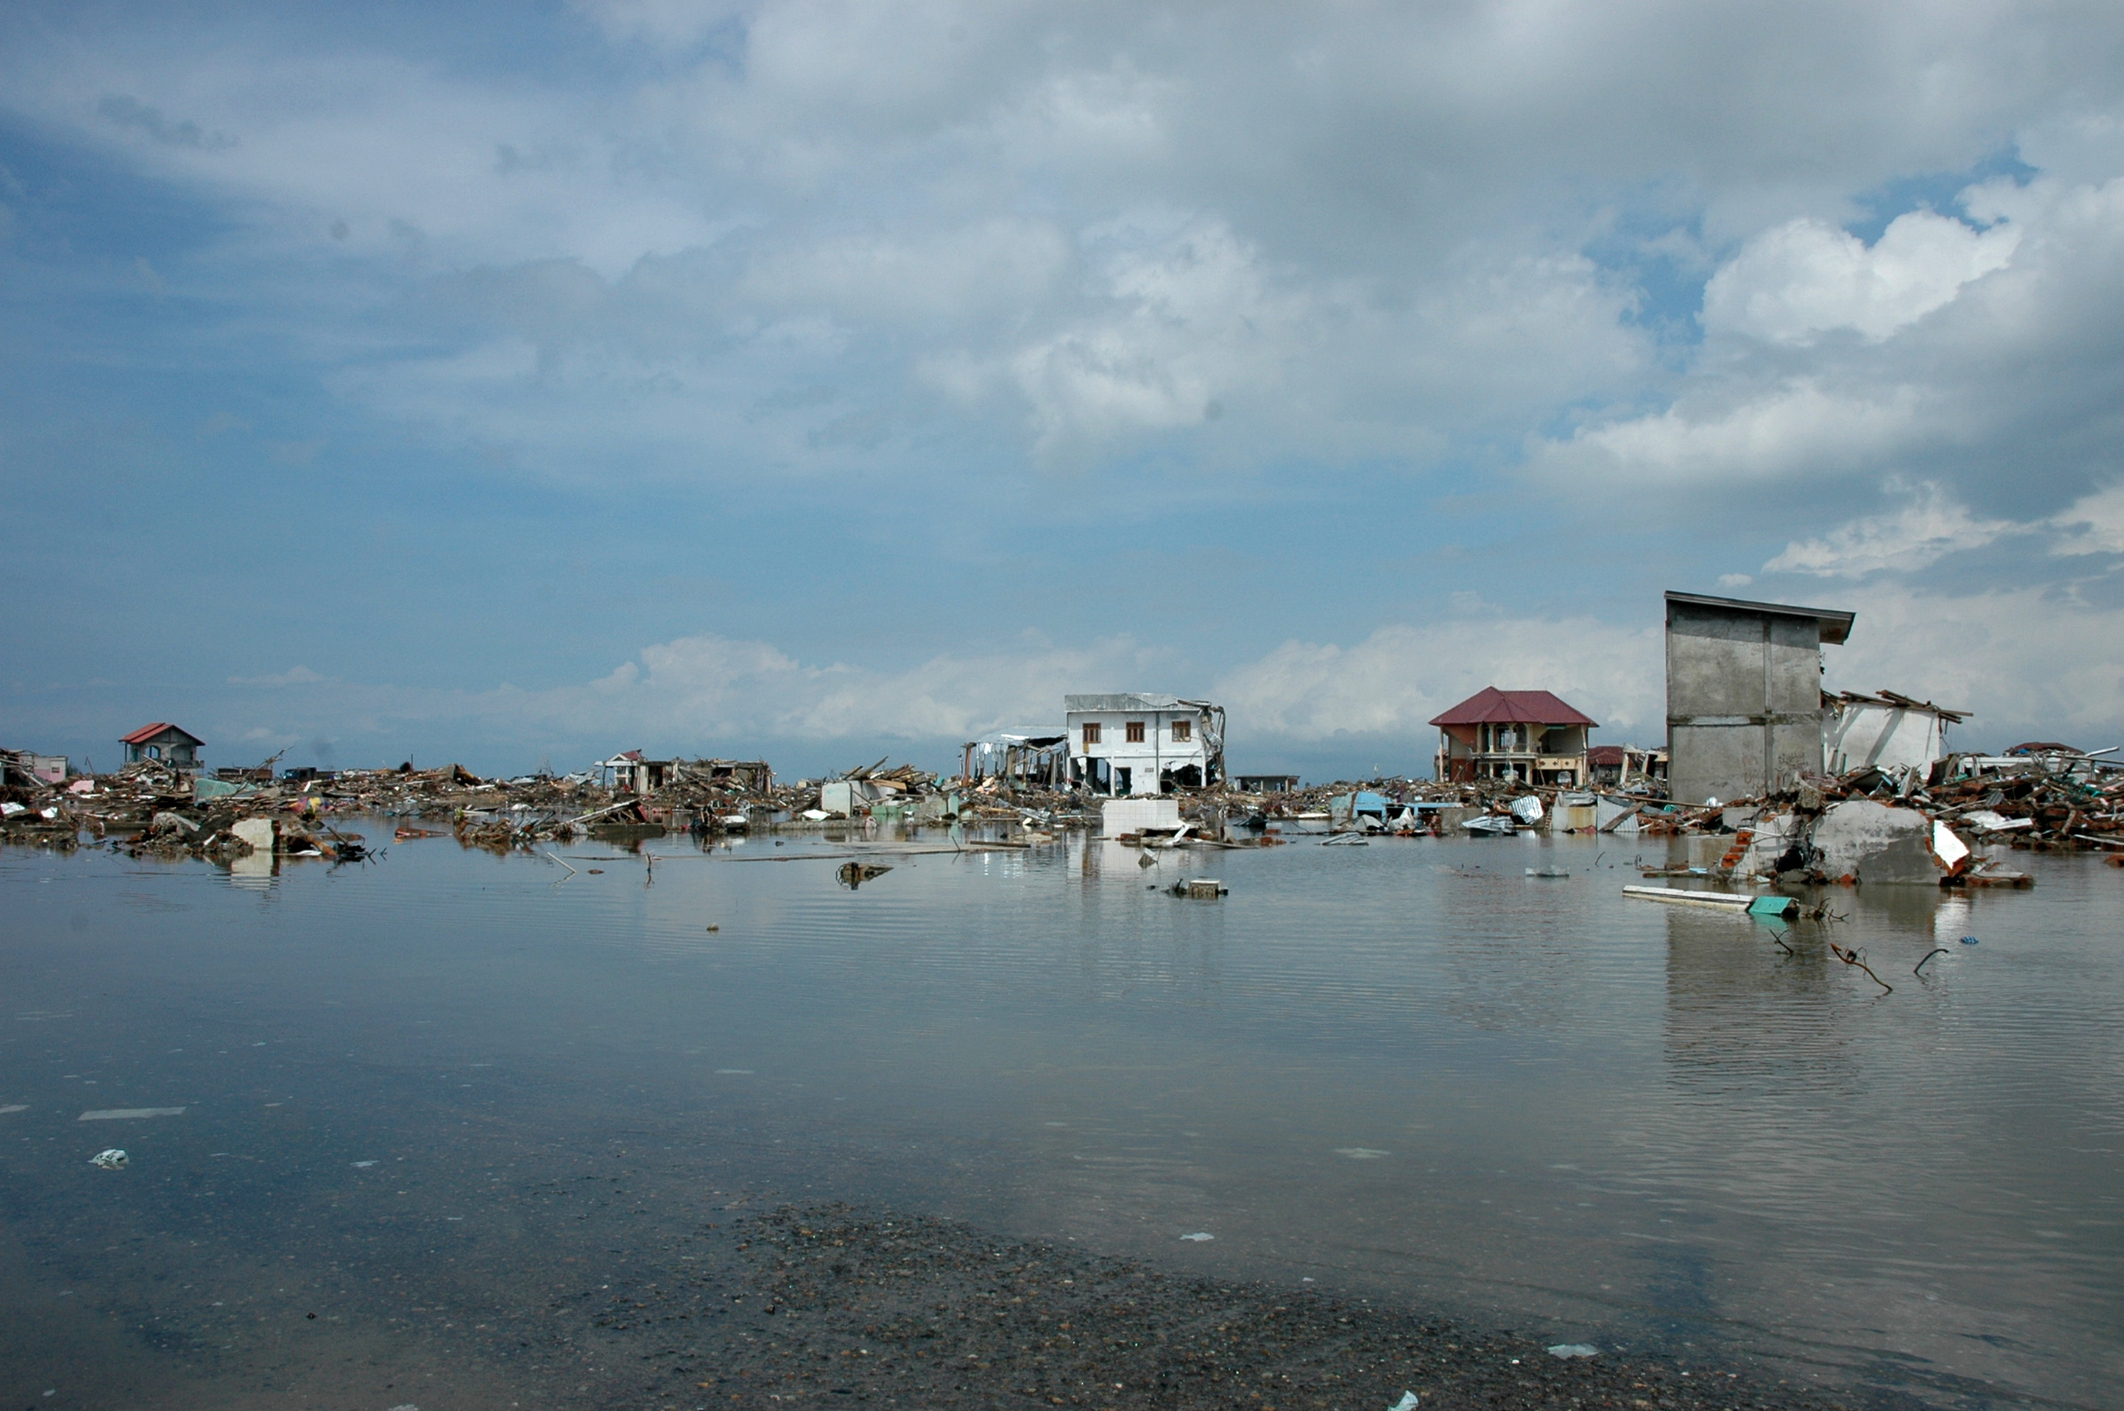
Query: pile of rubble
pixel 224 835
pixel 1946 825
pixel 152 810
pixel 34 814
pixel 1420 807
pixel 1913 823
pixel 2037 796
pixel 55 815
pixel 699 796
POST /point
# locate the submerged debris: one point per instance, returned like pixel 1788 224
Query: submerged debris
pixel 1948 821
pixel 855 874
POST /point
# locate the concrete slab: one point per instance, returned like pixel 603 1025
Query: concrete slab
pixel 257 832
pixel 1856 832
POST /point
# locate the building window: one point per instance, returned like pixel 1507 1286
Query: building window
pixel 1091 733
pixel 1183 731
pixel 1135 732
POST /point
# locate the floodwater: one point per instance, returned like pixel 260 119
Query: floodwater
pixel 1408 1070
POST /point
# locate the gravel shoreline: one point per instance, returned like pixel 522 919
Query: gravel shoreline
pixel 831 1303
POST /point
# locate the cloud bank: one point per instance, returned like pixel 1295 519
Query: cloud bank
pixel 2021 661
pixel 1365 307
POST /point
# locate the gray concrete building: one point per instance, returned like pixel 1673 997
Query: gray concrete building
pixel 1744 694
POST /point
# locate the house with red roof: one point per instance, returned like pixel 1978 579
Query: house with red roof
pixel 1528 736
pixel 162 741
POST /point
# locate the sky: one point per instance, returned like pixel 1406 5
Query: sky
pixel 820 381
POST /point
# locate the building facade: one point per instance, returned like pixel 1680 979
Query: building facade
pixel 35 768
pixel 1530 737
pixel 1132 744
pixel 1744 694
pixel 1032 757
pixel 1619 766
pixel 165 742
pixel 1884 731
pixel 630 773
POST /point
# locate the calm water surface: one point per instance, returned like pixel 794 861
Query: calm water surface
pixel 1407 1070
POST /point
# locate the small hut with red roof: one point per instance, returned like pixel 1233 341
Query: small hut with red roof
pixel 164 741
pixel 1530 737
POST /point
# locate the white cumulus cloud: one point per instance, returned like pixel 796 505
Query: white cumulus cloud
pixel 2094 524
pixel 2028 662
pixel 1799 428
pixel 1930 526
pixel 1392 682
pixel 1806 277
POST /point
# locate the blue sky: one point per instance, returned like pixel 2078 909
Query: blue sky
pixel 826 380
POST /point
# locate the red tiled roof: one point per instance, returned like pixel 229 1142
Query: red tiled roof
pixel 148 732
pixel 1490 706
pixel 1605 754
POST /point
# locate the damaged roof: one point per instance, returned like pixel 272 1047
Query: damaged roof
pixel 1124 700
pixel 161 727
pixel 1835 624
pixel 1490 706
pixel 1895 700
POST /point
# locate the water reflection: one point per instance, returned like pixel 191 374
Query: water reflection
pixel 1409 1067
pixel 1515 948
pixel 1747 1007
pixel 254 873
pixel 1952 920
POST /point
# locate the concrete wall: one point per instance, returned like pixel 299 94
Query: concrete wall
pixel 847 798
pixel 1118 816
pixel 1862 733
pixel 1145 760
pixel 1744 701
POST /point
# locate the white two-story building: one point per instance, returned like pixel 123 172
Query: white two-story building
pixel 1136 744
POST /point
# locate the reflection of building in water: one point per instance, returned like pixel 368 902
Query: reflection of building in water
pixel 1952 921
pixel 255 871
pixel 1130 939
pixel 1741 1011
pixel 1512 962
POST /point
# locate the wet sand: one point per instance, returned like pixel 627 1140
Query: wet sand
pixel 598 1279
pixel 831 1303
